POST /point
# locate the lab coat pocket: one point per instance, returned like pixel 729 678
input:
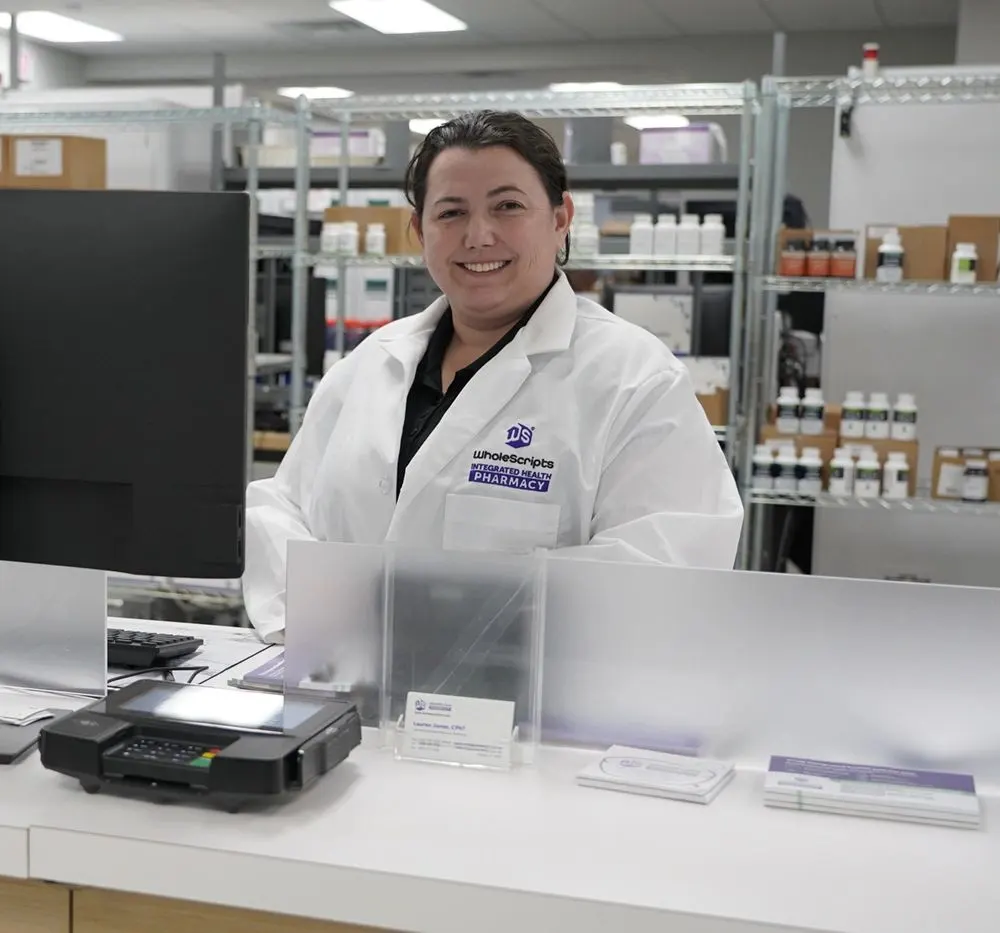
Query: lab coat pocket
pixel 487 523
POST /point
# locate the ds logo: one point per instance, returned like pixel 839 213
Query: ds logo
pixel 519 436
pixel 420 706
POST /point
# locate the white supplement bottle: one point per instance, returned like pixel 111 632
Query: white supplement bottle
pixel 349 238
pixel 763 469
pixel 904 418
pixel 842 473
pixel 813 410
pixel 896 477
pixel 890 259
pixel 329 238
pixel 586 240
pixel 877 415
pixel 375 239
pixel 964 264
pixel 868 476
pixel 787 479
pixel 788 417
pixel 640 238
pixel 665 236
pixel 689 235
pixel 976 485
pixel 713 235
pixel 852 420
pixel 810 472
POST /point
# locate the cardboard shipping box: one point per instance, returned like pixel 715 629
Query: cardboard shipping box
pixel 984 232
pixel 55 162
pixel 925 257
pixel 948 477
pixel 400 240
pixel 716 405
pixel 4 161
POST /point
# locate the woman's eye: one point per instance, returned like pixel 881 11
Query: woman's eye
pixel 447 215
pixel 510 206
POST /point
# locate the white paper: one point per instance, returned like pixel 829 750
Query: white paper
pixel 463 730
pixel 661 774
pixel 38 157
pixel 22 709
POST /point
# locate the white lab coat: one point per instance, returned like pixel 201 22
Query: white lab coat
pixel 583 431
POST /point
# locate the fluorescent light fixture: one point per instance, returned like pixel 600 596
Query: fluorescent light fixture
pixel 658 121
pixel 398 17
pixel 52 27
pixel 423 127
pixel 569 86
pixel 315 93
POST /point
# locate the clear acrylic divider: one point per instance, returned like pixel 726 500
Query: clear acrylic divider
pixel 53 629
pixel 743 666
pixel 334 622
pixel 462 657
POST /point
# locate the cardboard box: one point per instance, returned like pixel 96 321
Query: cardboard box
pixel 949 473
pixel 716 407
pixel 400 239
pixel 4 161
pixel 984 231
pixel 829 441
pixel 56 162
pixel 926 256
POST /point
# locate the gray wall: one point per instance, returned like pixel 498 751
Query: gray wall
pixel 978 32
pixel 46 67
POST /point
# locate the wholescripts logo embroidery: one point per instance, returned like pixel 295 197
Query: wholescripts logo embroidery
pixel 513 471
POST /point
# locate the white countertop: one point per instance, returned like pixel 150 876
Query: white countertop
pixel 432 849
pixel 417 847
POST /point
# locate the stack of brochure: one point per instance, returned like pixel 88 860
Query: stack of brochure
pixel 658 774
pixel 865 790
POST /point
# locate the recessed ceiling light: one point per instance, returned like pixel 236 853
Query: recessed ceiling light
pixel 569 86
pixel 315 93
pixel 52 27
pixel 398 17
pixel 658 121
pixel 423 127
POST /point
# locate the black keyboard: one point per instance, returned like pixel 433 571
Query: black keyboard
pixel 160 760
pixel 148 649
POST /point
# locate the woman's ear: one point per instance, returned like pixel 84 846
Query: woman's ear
pixel 416 227
pixel 565 213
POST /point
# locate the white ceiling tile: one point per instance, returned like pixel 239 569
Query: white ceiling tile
pixel 804 15
pixel 622 19
pixel 699 17
pixel 919 12
pixel 510 20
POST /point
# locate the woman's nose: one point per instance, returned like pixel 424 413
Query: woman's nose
pixel 480 231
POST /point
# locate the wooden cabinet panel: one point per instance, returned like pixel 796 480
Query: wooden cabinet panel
pixel 33 907
pixel 114 912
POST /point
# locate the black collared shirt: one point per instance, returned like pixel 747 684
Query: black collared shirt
pixel 426 403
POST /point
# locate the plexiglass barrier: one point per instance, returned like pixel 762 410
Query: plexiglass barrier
pixel 463 626
pixel 745 666
pixel 53 629
pixel 334 622
pixel 724 664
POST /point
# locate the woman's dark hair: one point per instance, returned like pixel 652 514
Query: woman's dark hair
pixel 481 130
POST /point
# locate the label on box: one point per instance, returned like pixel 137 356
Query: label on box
pixel 464 730
pixel 951 481
pixel 38 158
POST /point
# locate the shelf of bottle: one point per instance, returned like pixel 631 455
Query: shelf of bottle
pixel 622 263
pixel 920 505
pixel 777 283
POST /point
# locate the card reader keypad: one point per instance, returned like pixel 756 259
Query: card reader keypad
pixel 165 752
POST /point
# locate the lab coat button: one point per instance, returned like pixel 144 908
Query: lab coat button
pixel 384 486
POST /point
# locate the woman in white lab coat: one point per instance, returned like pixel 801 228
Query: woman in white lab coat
pixel 510 414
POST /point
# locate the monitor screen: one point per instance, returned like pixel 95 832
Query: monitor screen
pixel 123 380
pixel 243 710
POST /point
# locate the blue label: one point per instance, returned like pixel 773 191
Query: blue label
pixel 530 482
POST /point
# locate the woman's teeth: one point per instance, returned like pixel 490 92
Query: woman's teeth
pixel 484 266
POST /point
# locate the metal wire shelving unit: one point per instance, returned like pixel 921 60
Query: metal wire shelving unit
pixel 779 98
pixel 695 100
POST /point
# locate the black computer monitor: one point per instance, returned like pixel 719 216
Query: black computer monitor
pixel 123 380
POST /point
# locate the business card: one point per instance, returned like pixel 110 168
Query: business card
pixel 461 730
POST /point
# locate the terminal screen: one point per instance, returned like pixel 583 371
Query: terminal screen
pixel 231 709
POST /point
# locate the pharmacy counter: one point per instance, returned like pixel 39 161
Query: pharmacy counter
pixel 413 847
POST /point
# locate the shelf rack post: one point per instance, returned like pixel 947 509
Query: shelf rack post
pixel 300 266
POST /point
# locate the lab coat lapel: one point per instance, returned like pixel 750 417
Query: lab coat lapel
pixel 492 389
